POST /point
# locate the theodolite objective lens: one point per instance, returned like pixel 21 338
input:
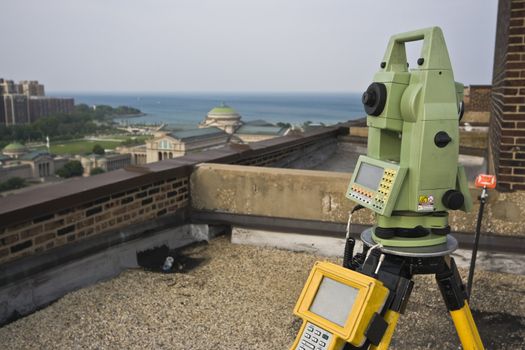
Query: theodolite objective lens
pixel 374 99
pixel 368 98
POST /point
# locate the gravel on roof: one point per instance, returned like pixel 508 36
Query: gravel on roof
pixel 242 297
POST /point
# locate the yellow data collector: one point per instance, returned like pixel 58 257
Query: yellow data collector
pixel 337 305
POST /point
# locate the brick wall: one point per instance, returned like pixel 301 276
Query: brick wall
pixel 507 126
pixel 479 98
pixel 94 217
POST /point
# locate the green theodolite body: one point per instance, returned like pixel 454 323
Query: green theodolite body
pixel 413 119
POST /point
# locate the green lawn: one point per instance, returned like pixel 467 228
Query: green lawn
pixel 126 137
pixel 80 146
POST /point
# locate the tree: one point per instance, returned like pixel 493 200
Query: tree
pixel 98 149
pixel 82 108
pixel 70 169
pixel 126 110
pixel 96 171
pixel 12 184
pixel 60 126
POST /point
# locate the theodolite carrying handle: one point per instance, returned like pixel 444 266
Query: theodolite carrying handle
pixel 434 53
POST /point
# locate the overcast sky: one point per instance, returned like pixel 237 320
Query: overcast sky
pixel 230 45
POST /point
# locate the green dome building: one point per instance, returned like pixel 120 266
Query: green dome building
pixel 15 150
pixel 223 117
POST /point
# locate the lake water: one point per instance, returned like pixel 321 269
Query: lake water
pixel 187 110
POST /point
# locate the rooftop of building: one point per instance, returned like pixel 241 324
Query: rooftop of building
pixel 15 147
pixel 185 135
pixel 258 122
pixel 139 148
pixel 34 154
pixel 105 155
pixel 237 287
pixel 249 129
pixel 50 98
pixel 242 297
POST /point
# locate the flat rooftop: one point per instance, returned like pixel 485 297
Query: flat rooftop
pixel 242 297
pixel 344 159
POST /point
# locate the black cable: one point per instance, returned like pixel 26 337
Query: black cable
pixel 349 251
pixel 350 242
pixel 476 244
pixel 357 260
pixel 356 208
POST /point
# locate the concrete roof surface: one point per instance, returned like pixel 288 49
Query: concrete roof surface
pixel 242 297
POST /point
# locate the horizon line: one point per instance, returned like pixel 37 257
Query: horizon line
pixel 132 92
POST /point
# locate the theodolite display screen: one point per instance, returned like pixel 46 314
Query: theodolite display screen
pixel 375 184
pixel 369 176
pixel 334 301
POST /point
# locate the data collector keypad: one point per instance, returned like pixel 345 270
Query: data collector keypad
pixel 314 338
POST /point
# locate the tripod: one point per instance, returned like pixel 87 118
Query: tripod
pixel 395 267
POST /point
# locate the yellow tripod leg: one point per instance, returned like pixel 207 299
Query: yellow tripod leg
pixel 391 317
pixel 466 328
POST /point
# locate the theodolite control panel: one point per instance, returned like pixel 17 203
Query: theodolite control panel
pixel 337 306
pixel 375 184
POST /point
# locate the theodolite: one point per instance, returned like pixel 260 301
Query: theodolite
pixel 410 177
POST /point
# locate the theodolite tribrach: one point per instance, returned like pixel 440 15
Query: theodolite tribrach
pixel 410 177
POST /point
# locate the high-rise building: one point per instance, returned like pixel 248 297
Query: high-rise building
pixel 31 88
pixel 16 109
pixel 26 102
pixel 41 106
pixel 2 110
pixel 8 87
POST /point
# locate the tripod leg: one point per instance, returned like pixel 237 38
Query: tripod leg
pixel 391 317
pixel 466 328
pixel 453 292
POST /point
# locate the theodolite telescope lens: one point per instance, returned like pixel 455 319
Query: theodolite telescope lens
pixel 368 98
pixel 374 99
